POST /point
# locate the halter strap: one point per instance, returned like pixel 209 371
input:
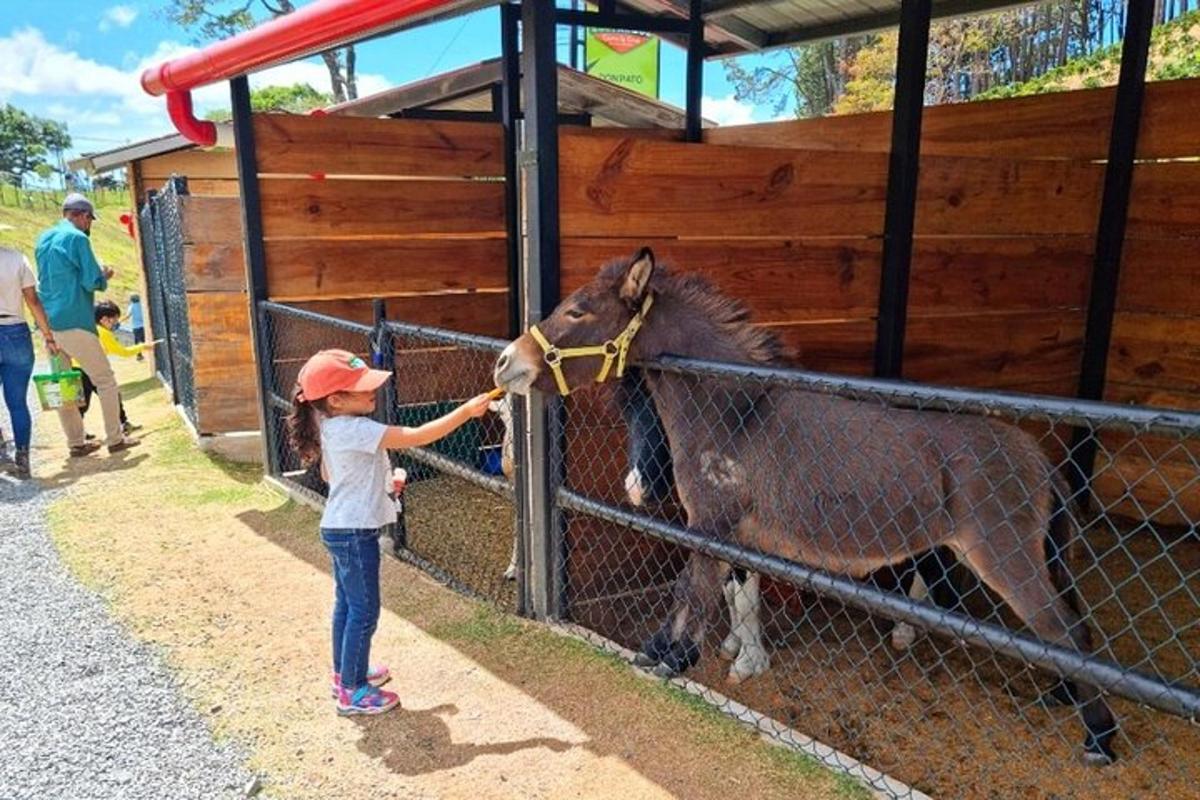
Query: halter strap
pixel 615 349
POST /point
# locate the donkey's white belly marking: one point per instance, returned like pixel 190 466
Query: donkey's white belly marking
pixel 721 471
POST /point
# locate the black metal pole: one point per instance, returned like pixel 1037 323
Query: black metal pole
pixel 383 356
pixel 538 446
pixel 695 70
pixel 903 165
pixel 510 112
pixel 573 43
pixel 1110 229
pixel 256 263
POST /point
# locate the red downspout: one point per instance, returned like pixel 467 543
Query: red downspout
pixel 312 29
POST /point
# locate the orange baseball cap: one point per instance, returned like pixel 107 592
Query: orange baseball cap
pixel 331 371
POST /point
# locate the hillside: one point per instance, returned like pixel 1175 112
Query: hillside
pixel 19 229
pixel 1174 53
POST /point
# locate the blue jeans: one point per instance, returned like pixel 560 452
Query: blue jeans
pixel 355 553
pixel 16 365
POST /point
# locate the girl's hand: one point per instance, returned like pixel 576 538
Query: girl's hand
pixel 477 406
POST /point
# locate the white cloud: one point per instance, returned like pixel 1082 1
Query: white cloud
pixel 118 17
pixel 727 110
pixel 106 104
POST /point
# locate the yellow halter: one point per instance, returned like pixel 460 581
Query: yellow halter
pixel 616 348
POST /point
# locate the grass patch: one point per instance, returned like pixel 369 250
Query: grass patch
pixel 484 626
pixel 20 227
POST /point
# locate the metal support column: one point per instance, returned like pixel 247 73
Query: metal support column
pixel 156 238
pixel 542 525
pixel 508 105
pixel 1110 229
pixel 695 70
pixel 903 165
pixel 383 356
pixel 256 262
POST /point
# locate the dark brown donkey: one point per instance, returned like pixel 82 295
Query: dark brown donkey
pixel 838 484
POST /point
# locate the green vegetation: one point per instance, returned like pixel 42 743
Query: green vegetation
pixel 295 99
pixel 20 227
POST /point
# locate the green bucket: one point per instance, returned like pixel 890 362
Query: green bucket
pixel 62 387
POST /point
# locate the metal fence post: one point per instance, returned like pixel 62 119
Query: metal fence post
pixel 159 266
pixel 542 528
pixel 256 262
pixel 383 356
pixel 1110 230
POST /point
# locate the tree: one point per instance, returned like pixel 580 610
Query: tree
pixel 209 20
pixel 295 99
pixel 26 141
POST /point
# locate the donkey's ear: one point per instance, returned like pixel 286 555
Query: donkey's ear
pixel 637 277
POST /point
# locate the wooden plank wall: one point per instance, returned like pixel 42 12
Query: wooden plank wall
pixel 209 172
pixel 788 217
pixel 408 210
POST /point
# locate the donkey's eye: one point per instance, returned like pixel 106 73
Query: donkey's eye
pixel 575 313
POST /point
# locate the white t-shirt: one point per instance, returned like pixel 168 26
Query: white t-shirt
pixel 360 474
pixel 15 275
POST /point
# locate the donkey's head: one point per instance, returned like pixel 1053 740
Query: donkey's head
pixel 588 338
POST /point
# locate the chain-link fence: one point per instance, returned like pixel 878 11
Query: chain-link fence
pixel 949 691
pixel 459 518
pixel 162 252
pixel 995 616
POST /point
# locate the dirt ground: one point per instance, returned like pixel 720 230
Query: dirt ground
pixel 229 580
pixel 949 721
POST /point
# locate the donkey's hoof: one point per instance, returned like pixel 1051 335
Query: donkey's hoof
pixel 654 650
pixel 664 671
pixel 903 636
pixel 510 574
pixel 730 647
pixel 1098 751
pixel 681 656
pixel 750 663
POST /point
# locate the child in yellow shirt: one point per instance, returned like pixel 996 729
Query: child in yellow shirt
pixel 108 316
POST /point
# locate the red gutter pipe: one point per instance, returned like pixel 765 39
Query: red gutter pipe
pixel 315 28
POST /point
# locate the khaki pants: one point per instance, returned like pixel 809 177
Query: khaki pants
pixel 84 347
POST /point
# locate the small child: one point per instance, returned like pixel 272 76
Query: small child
pixel 107 317
pixel 136 322
pixel 330 421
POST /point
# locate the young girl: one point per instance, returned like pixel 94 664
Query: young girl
pixel 334 396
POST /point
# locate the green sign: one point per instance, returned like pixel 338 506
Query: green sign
pixel 626 58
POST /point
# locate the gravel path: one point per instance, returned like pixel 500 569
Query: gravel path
pixel 87 711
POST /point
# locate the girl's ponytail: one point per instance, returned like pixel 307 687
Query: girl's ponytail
pixel 303 428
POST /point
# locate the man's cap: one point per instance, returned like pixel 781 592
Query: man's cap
pixel 77 202
pixel 332 371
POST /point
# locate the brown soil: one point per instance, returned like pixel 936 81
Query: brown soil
pixel 231 582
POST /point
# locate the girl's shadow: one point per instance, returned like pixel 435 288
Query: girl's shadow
pixel 416 742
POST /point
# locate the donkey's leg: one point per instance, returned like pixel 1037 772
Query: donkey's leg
pixel 732 644
pixel 1023 580
pixel 752 659
pixel 510 574
pixel 904 634
pixel 676 645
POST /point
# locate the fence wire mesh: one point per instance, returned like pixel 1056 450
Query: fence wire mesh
pixel 162 248
pixel 459 518
pixel 786 467
pixel 965 698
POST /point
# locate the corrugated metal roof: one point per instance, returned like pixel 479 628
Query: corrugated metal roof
pixel 740 26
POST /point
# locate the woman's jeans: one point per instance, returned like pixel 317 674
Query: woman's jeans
pixel 355 553
pixel 16 365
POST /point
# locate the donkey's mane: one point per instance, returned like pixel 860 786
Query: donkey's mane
pixel 705 302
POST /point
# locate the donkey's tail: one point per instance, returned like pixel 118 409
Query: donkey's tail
pixel 1058 543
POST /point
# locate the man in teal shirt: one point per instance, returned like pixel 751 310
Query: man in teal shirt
pixel 68 278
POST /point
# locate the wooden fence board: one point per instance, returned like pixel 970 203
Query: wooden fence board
pixel 1155 351
pixel 787 280
pixel 643 188
pixel 214 267
pixel 223 362
pixel 314 268
pixel 629 187
pixel 471 312
pixel 336 145
pixel 1165 201
pixel 1063 125
pixel 1160 276
pixel 302 208
pixel 192 163
pixel 211 219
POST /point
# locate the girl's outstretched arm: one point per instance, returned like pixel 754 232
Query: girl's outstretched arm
pixel 399 437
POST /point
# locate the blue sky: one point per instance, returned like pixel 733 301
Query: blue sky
pixel 79 62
